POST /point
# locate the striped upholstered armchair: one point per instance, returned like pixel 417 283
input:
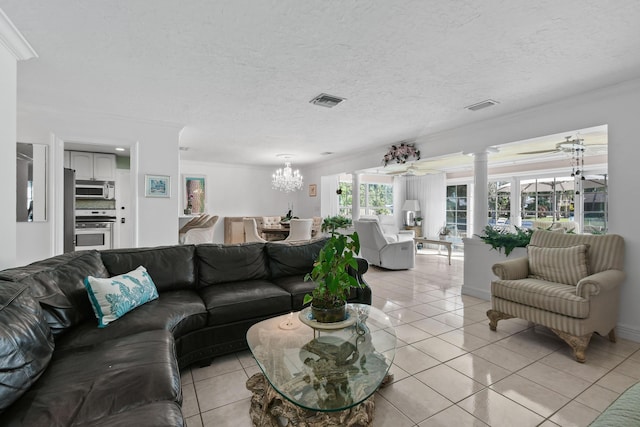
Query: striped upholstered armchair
pixel 567 282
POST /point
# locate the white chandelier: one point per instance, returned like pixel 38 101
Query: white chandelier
pixel 287 179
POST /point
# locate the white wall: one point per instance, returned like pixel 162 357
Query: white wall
pixel 155 146
pixel 8 84
pixel 240 190
pixel 615 106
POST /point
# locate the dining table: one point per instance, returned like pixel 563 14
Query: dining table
pixel 274 232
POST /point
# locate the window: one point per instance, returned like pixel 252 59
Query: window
pixel 345 197
pixel 457 209
pixel 594 189
pixel 499 202
pixel 547 200
pixel 375 198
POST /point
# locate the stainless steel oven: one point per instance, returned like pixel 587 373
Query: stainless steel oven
pixel 94 229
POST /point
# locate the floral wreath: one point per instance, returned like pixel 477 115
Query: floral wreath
pixel 401 153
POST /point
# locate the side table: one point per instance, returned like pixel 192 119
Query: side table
pixel 417 229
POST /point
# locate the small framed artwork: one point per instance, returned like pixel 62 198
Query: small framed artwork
pixel 157 186
pixel 313 190
pixel 194 190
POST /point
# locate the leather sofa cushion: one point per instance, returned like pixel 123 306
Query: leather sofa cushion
pixel 232 263
pixel 297 287
pixel 59 287
pixel 178 312
pixel 83 385
pixel 550 296
pixel 296 258
pixel 232 302
pixel 172 267
pixel 156 414
pixel 26 343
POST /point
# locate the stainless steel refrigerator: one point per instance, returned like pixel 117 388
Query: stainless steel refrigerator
pixel 69 210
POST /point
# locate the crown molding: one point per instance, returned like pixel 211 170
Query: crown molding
pixel 13 40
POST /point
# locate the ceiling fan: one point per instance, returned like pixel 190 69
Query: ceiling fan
pixel 412 170
pixel 568 146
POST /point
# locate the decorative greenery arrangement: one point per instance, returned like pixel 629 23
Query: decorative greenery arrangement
pixel 499 239
pixel 330 270
pixel 401 153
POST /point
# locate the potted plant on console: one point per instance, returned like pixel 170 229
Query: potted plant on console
pixel 330 272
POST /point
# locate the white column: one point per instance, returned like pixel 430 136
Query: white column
pixel 516 207
pixel 355 200
pixel 480 192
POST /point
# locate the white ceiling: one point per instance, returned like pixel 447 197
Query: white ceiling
pixel 239 74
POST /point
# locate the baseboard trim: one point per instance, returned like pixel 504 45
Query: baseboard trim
pixel 475 292
pixel 627 332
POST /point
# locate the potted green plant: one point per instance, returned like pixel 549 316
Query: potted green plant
pixel 419 221
pixel 330 272
pixel 503 239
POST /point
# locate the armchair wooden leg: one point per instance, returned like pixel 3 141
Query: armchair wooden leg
pixel 494 316
pixel 612 335
pixel 578 344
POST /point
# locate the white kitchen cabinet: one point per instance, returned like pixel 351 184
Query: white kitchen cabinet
pixel 104 167
pixel 93 166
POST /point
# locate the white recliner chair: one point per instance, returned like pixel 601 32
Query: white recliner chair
pixel 375 248
pixel 391 230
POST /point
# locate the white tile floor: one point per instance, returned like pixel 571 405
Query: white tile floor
pixel 449 368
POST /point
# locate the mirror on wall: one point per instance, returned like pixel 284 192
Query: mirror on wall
pixel 31 182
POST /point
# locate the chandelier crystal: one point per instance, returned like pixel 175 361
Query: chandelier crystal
pixel 287 179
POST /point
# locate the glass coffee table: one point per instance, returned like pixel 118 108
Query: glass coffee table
pixel 320 374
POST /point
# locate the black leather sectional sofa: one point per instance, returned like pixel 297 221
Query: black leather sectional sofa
pixel 57 368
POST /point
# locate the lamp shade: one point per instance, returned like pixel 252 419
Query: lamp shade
pixel 411 205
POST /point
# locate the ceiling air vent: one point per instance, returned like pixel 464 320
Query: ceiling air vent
pixel 480 105
pixel 325 100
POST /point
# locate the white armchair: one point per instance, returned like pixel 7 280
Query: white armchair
pixel 375 248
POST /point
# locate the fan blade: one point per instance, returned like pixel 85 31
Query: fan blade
pixel 540 151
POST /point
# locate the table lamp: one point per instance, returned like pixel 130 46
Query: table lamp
pixel 411 207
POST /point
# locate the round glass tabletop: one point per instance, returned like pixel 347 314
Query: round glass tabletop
pixel 325 369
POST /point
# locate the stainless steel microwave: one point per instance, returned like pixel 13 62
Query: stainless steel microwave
pixel 95 190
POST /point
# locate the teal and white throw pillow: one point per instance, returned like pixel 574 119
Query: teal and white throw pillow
pixel 114 297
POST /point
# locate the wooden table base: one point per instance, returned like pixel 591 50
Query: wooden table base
pixel 268 407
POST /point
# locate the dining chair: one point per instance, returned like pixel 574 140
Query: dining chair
pixel 299 229
pixel 251 231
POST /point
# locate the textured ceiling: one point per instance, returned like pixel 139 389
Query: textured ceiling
pixel 239 74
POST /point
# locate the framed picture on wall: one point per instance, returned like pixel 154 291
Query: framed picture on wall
pixel 194 191
pixel 157 186
pixel 313 190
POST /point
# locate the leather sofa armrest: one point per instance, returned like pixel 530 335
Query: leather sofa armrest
pixel 604 281
pixel 512 269
pixel 363 266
